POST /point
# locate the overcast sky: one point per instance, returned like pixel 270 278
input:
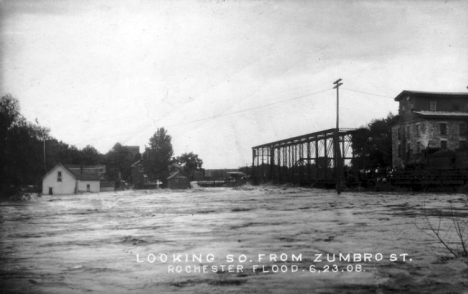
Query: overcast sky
pixel 101 72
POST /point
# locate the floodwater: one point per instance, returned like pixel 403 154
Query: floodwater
pixel 265 239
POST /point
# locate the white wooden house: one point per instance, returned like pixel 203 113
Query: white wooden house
pixel 63 180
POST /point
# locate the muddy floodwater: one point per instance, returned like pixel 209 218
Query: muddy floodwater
pixel 263 239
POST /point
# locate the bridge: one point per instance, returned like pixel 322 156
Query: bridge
pixel 305 160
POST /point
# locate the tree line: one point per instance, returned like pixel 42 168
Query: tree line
pixel 372 144
pixel 28 151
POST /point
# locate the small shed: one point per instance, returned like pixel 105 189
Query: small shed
pixel 107 186
pixel 177 180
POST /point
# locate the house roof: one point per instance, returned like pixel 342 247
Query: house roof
pixel 136 163
pixel 85 177
pixel 133 149
pixel 82 173
pixel 175 166
pixel 404 93
pixel 87 172
pixel 55 167
pixel 445 114
pixel 176 174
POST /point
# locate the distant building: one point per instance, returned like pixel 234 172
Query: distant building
pixel 219 174
pixel 71 179
pixel 139 177
pixel 134 150
pixel 428 121
pixel 198 175
pixel 235 176
pixel 177 180
pixel 107 186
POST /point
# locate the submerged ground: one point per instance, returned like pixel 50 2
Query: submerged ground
pixel 266 239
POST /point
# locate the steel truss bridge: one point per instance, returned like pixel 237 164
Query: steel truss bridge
pixel 306 160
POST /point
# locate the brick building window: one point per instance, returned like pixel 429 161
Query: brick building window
pixel 433 105
pixel 443 129
pixel 463 144
pixel 443 145
pixel 462 130
pixel 59 176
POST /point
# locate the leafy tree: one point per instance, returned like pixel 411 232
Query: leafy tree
pixel 90 156
pixel 119 162
pixel 21 161
pixel 22 148
pixel 372 145
pixel 158 156
pixel 190 162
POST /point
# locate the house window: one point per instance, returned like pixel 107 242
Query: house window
pixel 399 151
pixel 417 131
pixel 399 133
pixel 140 168
pixel 443 145
pixel 462 130
pixel 418 147
pixel 443 129
pixel 407 132
pixel 408 149
pixel 433 105
pixel 455 107
pixel 59 176
pixel 88 188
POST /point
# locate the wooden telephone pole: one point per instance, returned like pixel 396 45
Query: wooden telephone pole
pixel 336 144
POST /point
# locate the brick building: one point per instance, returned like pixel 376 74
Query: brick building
pixel 428 122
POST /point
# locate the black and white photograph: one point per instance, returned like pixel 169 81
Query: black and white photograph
pixel 234 146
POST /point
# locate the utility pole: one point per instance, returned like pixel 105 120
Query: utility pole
pixel 337 84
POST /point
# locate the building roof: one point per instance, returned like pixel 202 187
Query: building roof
pixel 133 149
pixel 87 172
pixel 404 93
pixel 444 114
pixel 175 166
pixel 85 177
pixel 176 174
pixel 59 164
pixel 136 163
pixel 82 173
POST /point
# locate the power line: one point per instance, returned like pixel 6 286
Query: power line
pixel 255 108
pixel 249 109
pixel 222 115
pixel 367 93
